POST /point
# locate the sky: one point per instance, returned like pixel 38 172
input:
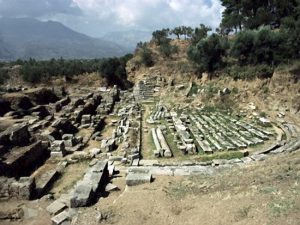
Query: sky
pixel 98 17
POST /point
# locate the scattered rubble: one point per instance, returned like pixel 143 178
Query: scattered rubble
pixel 49 134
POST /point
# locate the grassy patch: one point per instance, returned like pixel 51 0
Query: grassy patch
pixel 221 155
pixel 169 138
pixel 148 145
pixel 194 90
pixel 284 137
pixel 70 176
pixel 192 186
pixel 242 213
pixel 268 190
pixel 250 72
pixel 262 114
pixel 281 207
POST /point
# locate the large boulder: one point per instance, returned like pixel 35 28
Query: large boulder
pixel 64 125
pixel 94 181
pixel 17 135
pixel 21 161
pixel 39 110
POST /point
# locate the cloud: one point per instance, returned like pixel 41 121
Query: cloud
pixel 96 17
pixel 153 14
pixel 37 8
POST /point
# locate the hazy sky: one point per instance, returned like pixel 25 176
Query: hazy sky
pixel 97 17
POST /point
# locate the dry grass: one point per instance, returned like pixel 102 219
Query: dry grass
pixel 70 176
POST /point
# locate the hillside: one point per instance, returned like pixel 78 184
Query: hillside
pixel 195 127
pixel 177 70
pixel 27 37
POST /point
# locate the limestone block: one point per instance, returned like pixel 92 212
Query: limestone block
pixel 60 218
pixel 133 179
pixel 56 207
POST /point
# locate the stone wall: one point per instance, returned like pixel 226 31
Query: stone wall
pixel 19 161
pixel 21 189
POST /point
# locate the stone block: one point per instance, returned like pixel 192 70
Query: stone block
pixel 82 195
pixel 247 160
pixel 181 172
pixel 93 181
pixel 259 157
pixel 21 160
pixel 135 162
pixel 69 140
pixel 144 162
pixel 57 146
pixel 94 152
pixel 60 218
pixel 133 179
pixel 58 149
pixel 56 207
pixel 86 119
pixel 44 182
pixel 17 135
pixel 111 187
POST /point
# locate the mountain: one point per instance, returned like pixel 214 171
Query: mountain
pixel 128 39
pixel 28 37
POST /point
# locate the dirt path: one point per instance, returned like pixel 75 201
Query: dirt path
pixel 260 193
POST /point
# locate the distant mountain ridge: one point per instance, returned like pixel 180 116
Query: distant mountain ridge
pixel 27 37
pixel 128 39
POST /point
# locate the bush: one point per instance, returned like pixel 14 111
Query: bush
pixel 259 47
pixel 166 49
pixel 250 72
pixel 208 53
pixel 32 74
pixel 146 57
pixel 114 70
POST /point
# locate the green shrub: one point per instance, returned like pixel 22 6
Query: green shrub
pixel 250 72
pixel 222 155
pixel 167 50
pixel 146 57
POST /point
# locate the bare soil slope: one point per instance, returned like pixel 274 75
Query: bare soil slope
pixel 261 193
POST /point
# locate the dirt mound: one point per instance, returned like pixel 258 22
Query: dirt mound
pixel 286 90
pixel 42 96
pixel 18 101
pixel 26 100
pixel 176 67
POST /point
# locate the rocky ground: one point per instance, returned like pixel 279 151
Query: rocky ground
pixel 258 193
pixel 162 153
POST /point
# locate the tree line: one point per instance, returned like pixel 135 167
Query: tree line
pixel 35 71
pixel 260 34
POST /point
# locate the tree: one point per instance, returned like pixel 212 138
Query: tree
pixel 232 15
pixel 259 47
pixel 176 31
pixel 160 36
pixel 264 45
pixel 243 46
pixel 189 32
pixel 114 70
pixel 145 54
pixel 200 33
pixel 249 14
pixel 208 53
